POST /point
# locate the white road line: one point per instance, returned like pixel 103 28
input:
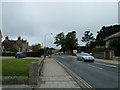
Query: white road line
pixel 95 66
pixel 61 56
pixel 106 64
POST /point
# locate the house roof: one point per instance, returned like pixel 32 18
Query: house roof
pixel 116 35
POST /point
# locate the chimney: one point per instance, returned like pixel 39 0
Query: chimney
pixel 6 38
pixel 19 38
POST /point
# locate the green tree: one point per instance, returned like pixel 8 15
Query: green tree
pixel 88 38
pixel 115 45
pixel 67 42
pixel 35 47
pixel 60 40
pixel 105 32
pixel 71 42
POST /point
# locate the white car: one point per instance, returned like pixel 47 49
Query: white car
pixel 84 57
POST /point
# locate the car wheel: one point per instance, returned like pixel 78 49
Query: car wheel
pixel 83 60
pixel 92 60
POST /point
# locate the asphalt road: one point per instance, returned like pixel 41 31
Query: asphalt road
pixel 98 75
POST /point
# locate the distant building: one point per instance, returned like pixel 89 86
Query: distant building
pixel 0 41
pixel 113 36
pixel 20 44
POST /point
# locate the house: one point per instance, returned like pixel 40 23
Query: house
pixel 109 54
pixel 20 44
pixel 109 38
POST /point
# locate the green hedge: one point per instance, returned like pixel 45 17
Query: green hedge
pixel 99 49
pixel 8 54
pixel 33 54
pixel 39 53
pixel 29 54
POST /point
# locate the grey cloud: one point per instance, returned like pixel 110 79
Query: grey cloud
pixel 33 20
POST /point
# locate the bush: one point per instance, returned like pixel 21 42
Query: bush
pixel 11 50
pixel 115 45
pixel 8 54
pixel 35 54
pixel 39 53
pixel 99 49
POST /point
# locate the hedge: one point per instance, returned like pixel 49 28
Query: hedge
pixel 8 54
pixel 29 54
pixel 34 54
pixel 100 49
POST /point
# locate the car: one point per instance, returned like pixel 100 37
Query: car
pixel 20 55
pixel 84 57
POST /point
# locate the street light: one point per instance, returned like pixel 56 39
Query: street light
pixel 46 37
pixel 45 42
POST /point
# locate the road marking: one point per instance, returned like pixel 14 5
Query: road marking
pixel 61 57
pixel 95 66
pixel 105 64
pixel 76 76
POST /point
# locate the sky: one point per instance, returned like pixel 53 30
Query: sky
pixel 34 21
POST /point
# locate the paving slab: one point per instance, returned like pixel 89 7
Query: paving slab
pixel 54 76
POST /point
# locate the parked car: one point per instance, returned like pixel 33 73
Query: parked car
pixel 84 57
pixel 20 55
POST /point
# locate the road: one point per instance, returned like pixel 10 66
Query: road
pixel 96 74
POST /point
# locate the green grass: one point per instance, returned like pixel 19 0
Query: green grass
pixel 16 67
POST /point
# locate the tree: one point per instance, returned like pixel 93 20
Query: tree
pixel 60 40
pixel 105 32
pixel 88 38
pixel 115 45
pixel 67 42
pixel 71 42
pixel 35 47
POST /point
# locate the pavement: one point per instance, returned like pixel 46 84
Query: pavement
pixel 113 62
pixel 54 76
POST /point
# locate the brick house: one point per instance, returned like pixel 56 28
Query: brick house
pixel 20 44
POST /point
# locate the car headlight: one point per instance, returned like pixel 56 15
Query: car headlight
pixel 93 58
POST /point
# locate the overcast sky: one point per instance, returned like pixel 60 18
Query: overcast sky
pixel 32 21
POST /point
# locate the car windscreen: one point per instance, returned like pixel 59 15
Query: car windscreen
pixel 19 53
pixel 85 54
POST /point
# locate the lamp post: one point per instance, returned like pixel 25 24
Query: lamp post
pixel 45 42
pixel 46 37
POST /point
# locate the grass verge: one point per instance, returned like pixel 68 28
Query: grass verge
pixel 16 67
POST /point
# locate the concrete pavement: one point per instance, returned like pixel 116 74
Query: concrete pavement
pixel 113 62
pixel 54 76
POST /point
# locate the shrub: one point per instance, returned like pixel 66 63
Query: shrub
pixel 39 53
pixel 99 49
pixel 8 54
